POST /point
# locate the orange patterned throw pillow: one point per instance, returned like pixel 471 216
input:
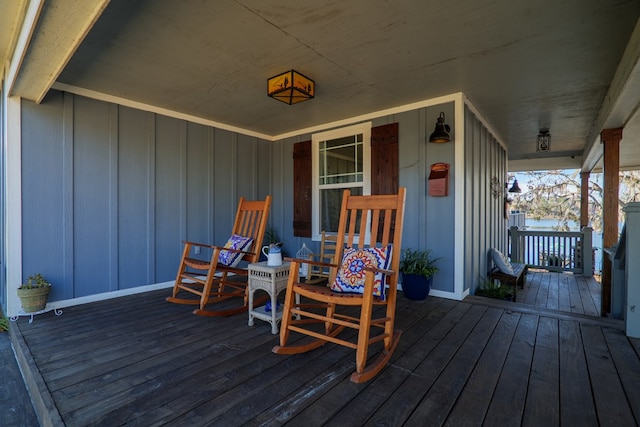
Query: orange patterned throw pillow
pixel 351 275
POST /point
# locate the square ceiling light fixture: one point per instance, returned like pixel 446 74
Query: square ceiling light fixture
pixel 544 141
pixel 291 87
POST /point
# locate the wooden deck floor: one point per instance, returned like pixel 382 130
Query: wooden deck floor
pixel 561 291
pixel 139 360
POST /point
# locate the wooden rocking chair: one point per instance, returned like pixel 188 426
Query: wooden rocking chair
pixel 318 273
pixel 216 279
pixel 369 234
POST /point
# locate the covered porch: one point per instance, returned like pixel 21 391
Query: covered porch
pixel 138 360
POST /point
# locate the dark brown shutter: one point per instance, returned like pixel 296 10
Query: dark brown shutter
pixel 384 159
pixel 302 189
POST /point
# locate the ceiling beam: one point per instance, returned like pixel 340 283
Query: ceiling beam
pixel 60 27
pixel 620 103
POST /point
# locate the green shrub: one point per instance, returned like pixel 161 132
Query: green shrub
pixel 419 262
pixel 35 281
pixel 490 289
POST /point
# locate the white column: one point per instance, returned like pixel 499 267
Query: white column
pixel 13 214
pixel 632 283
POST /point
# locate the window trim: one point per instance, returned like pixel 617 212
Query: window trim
pixel 365 130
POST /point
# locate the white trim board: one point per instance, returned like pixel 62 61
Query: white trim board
pixel 195 119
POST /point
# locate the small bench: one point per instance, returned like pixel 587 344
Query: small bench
pixel 515 279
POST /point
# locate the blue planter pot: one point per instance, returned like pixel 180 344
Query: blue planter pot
pixel 415 286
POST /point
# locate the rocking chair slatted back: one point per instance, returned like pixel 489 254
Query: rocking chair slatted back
pixel 249 223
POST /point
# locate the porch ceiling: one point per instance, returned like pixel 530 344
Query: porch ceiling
pixel 551 65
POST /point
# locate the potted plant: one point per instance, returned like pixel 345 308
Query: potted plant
pixel 418 268
pixel 272 240
pixel 33 293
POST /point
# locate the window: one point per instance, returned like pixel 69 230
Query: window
pixel 341 159
pixel 382 176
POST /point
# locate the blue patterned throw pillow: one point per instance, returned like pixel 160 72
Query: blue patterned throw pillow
pixel 351 274
pixel 238 242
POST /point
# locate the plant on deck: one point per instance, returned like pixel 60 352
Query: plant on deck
pixel 490 289
pixel 35 281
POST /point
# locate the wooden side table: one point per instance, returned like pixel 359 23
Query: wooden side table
pixel 272 280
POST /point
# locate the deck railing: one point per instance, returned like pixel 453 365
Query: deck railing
pixel 553 250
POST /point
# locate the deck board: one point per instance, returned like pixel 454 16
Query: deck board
pixel 508 400
pixel 139 360
pixel 561 291
pixel 471 407
pixel 439 400
pixel 576 403
pixel 611 402
pixel 542 405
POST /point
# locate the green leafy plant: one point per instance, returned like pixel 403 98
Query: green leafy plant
pixel 413 261
pixel 491 289
pixel 35 281
pixel 4 322
pixel 271 237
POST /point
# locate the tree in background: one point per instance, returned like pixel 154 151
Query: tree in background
pixel 555 194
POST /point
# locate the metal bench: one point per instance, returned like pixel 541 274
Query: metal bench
pixel 515 279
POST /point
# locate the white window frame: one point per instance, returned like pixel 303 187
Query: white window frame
pixel 365 130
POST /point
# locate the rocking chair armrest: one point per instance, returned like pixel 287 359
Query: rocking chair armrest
pixel 214 247
pixel 380 270
pixel 222 248
pixel 203 245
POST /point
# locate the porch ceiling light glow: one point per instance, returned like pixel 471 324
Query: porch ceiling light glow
pixel 291 87
pixel 544 141
pixel 441 132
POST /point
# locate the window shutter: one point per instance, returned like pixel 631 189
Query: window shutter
pixel 384 159
pixel 302 189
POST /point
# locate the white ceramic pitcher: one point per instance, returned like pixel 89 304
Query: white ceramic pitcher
pixel 273 254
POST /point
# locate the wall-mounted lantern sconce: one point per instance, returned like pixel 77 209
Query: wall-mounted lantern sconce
pixel 496 190
pixel 291 87
pixel 441 133
pixel 515 188
pixel 544 141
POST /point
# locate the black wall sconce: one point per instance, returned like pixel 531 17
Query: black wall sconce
pixel 515 188
pixel 441 132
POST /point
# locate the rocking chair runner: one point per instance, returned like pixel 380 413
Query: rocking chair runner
pixel 370 230
pixel 215 280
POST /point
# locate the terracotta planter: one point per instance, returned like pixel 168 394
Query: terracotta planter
pixel 415 286
pixel 34 299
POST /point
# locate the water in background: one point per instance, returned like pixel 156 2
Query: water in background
pixel 549 224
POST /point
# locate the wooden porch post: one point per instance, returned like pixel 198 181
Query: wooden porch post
pixel 584 199
pixel 611 140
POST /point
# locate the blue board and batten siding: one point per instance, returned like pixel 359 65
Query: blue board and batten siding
pixel 485 224
pixel 110 192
